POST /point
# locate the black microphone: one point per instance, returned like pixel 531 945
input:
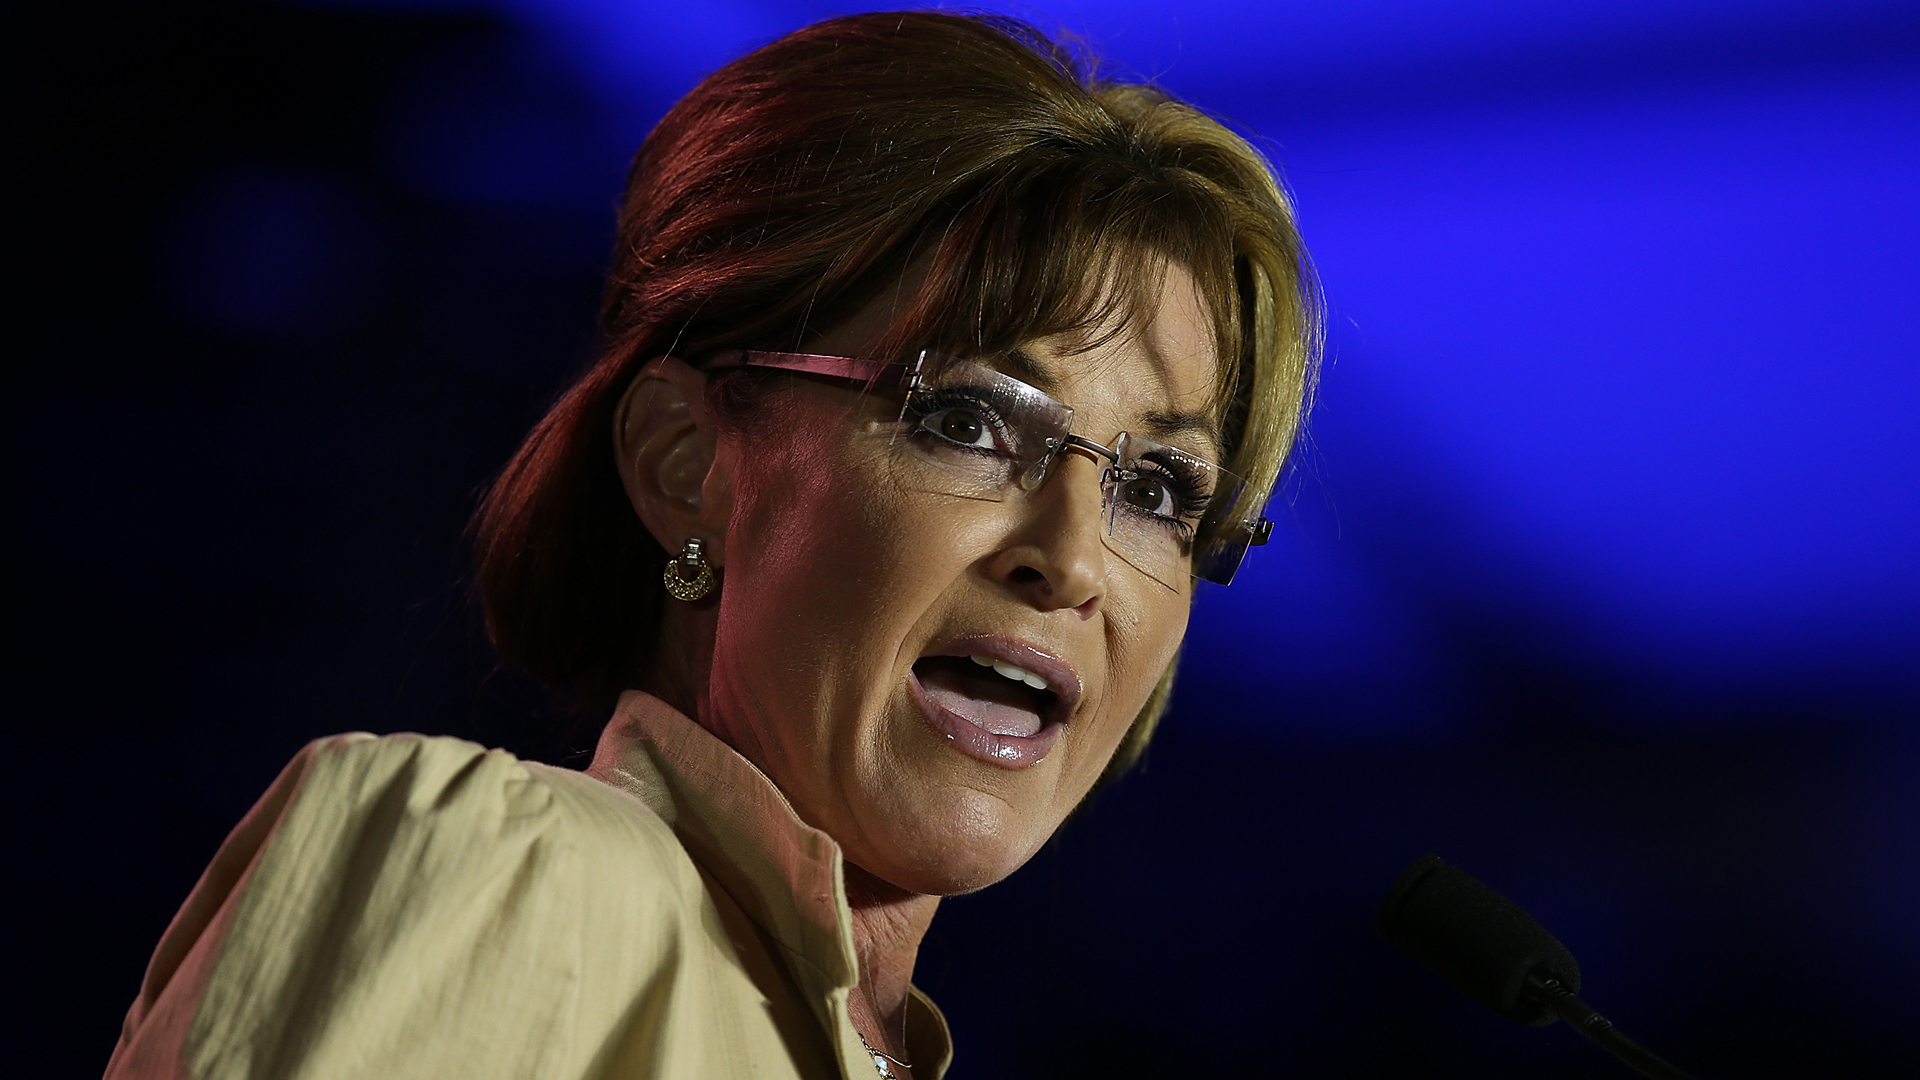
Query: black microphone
pixel 1495 953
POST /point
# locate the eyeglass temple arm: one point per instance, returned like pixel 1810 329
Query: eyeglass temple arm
pixel 852 369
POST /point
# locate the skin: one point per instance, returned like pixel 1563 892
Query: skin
pixel 834 582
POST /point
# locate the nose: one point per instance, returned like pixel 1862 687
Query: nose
pixel 1055 558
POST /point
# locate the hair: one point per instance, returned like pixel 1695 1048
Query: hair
pixel 794 183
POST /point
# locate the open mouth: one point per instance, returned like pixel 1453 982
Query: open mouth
pixel 995 696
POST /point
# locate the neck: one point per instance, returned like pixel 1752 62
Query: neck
pixel 888 925
pixel 679 676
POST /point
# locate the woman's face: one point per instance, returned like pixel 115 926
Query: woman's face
pixel 858 615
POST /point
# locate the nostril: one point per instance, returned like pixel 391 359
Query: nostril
pixel 1026 575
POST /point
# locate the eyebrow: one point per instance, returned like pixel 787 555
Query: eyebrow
pixel 1165 425
pixel 1029 370
pixel 1161 425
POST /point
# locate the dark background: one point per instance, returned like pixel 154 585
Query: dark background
pixel 1598 576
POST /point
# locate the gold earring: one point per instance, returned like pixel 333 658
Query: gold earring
pixel 679 585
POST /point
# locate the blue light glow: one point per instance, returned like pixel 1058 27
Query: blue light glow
pixel 1623 341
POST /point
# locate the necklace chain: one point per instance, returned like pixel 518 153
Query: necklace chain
pixel 881 1059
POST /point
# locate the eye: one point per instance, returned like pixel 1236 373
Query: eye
pixel 1151 494
pixel 962 419
pixel 1168 492
pixel 959 425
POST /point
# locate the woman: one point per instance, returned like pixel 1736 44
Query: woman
pixel 934 375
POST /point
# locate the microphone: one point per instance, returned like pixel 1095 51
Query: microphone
pixel 1498 955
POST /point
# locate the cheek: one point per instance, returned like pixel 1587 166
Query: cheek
pixel 1155 625
pixel 825 519
pixel 827 571
pixel 1146 627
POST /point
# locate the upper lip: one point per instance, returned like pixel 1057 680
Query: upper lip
pixel 1062 680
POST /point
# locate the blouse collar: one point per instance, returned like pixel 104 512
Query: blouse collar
pixel 785 874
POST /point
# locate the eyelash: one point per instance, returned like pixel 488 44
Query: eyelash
pixel 935 402
pixel 1189 493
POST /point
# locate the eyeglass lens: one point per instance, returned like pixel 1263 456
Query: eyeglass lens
pixel 971 431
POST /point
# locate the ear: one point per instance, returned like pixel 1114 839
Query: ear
pixel 666 449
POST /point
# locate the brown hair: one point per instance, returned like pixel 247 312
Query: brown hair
pixel 791 185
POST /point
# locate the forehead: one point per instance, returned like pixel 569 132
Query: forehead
pixel 1158 375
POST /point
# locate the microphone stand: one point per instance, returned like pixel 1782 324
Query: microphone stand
pixel 1557 999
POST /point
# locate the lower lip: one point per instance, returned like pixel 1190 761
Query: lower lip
pixel 1006 751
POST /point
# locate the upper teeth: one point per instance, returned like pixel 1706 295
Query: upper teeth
pixel 1018 674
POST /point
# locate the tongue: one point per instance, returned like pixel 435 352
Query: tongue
pixel 979 695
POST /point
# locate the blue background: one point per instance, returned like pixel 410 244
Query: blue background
pixel 1599 574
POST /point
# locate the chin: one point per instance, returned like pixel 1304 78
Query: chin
pixel 959 877
pixel 977 843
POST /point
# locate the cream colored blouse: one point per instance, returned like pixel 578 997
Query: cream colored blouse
pixel 423 907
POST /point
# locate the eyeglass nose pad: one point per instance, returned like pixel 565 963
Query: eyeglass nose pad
pixel 1110 480
pixel 1036 474
pixel 1108 484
